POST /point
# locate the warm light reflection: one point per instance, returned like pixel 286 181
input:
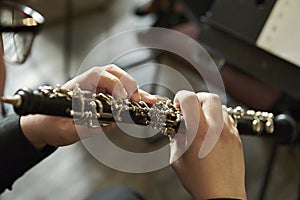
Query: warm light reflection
pixel 29 22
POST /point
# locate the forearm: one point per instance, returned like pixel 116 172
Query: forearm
pixel 17 154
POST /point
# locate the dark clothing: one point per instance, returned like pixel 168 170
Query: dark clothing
pixel 17 154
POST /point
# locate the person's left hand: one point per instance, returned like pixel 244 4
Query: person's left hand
pixel 59 131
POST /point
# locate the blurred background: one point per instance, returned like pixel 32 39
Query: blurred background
pixel 241 38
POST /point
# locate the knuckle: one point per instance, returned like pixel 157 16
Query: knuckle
pixel 111 67
pixel 186 97
pixel 95 69
pixel 215 98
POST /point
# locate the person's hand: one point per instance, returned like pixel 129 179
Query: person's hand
pixel 58 131
pixel 208 158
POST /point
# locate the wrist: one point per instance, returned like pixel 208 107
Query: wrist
pixel 30 131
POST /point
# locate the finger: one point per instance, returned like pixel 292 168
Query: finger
pixel 148 98
pixel 98 80
pixel 111 84
pixel 189 105
pixel 213 112
pixel 129 83
pixel 88 80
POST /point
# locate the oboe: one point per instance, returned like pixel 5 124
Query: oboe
pixel 95 110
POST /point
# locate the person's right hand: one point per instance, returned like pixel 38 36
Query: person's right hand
pixel 208 158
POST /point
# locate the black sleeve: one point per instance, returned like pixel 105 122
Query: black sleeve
pixel 17 154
